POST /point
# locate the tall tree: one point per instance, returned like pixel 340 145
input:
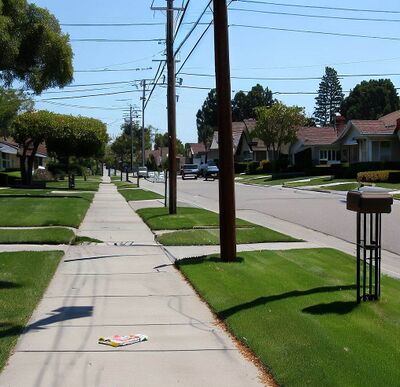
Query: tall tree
pixel 33 48
pixel 370 100
pixel 12 102
pixel 244 105
pixel 329 99
pixel 277 126
pixel 137 137
pixel 161 140
pixel 29 131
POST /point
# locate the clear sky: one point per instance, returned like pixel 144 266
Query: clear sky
pixel 255 53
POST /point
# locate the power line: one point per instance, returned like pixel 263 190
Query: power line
pixel 89 95
pixel 315 16
pixel 293 78
pixel 81 106
pixel 113 70
pixel 192 29
pixel 392 38
pixel 181 19
pixel 97 40
pixel 83 90
pixel 103 83
pixel 319 7
pixel 111 24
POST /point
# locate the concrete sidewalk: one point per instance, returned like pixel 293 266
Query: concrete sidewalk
pixel 107 290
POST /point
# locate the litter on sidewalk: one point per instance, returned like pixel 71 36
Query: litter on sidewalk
pixel 120 341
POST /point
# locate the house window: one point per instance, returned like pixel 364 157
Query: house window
pixel 329 155
pixel 5 160
pixel 385 151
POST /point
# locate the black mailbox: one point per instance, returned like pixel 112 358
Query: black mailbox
pixel 369 202
pixel 369 207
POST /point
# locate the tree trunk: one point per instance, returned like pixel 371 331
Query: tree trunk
pixel 31 161
pixel 22 167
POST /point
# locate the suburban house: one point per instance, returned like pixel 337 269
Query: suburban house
pixel 242 144
pixel 160 154
pixel 356 141
pixel 9 155
pixel 371 140
pixel 197 153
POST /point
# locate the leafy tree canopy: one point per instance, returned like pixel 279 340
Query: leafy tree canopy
pixel 278 125
pixel 370 100
pixel 161 140
pixel 330 97
pixel 33 48
pixel 12 102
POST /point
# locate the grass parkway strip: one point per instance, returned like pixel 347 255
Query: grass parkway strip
pixel 24 276
pixel 296 311
pixel 47 236
pixel 197 226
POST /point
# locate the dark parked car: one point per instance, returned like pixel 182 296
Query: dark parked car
pixel 191 170
pixel 209 169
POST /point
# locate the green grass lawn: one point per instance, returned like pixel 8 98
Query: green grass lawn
pixel 124 184
pixel 91 184
pixel 342 187
pixel 296 310
pixel 255 234
pixel 26 211
pixel 186 218
pixel 24 276
pixel 47 236
pixel 139 194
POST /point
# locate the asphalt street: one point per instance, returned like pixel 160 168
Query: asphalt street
pixel 323 212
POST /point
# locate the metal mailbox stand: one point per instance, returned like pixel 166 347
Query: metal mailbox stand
pixel 369 208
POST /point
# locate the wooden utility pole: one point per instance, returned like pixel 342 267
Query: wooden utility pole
pixel 171 97
pixel 131 128
pixel 143 108
pixel 227 212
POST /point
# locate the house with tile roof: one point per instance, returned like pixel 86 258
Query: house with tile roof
pixel 9 155
pixel 356 141
pixel 241 141
pixel 371 140
pixel 197 153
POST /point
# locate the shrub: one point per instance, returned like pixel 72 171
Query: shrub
pixel 252 167
pixel 352 171
pixel 3 180
pixel 42 175
pixel 240 167
pixel 379 176
pixel 265 166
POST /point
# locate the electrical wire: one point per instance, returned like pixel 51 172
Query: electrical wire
pixel 89 95
pixel 105 70
pixel 97 40
pixel 391 38
pixel 293 78
pixel 81 106
pixel 316 16
pixel 319 7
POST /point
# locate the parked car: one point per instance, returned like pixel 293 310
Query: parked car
pixel 209 169
pixel 142 172
pixel 190 170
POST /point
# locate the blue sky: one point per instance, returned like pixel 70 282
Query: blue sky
pixel 257 53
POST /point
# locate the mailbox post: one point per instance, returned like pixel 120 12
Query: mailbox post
pixel 369 208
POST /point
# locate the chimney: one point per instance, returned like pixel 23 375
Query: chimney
pixel 340 124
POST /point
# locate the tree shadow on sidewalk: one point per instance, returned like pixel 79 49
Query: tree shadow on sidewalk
pixel 64 313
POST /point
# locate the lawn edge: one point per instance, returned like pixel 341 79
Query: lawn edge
pixel 265 373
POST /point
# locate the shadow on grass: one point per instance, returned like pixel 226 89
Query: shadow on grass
pixel 8 285
pixel 9 330
pixel 205 258
pixel 337 307
pixel 64 313
pixel 224 314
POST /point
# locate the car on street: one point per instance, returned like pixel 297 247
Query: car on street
pixel 209 169
pixel 190 170
pixel 142 172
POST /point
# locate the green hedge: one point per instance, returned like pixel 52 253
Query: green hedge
pixel 379 176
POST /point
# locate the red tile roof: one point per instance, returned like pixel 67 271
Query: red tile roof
pixel 391 118
pixel 197 148
pixel 372 127
pixel 11 142
pixel 317 136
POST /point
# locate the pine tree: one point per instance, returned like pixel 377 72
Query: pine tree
pixel 329 99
